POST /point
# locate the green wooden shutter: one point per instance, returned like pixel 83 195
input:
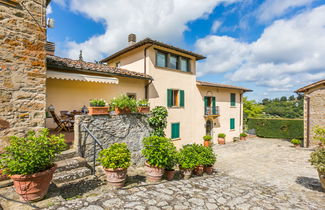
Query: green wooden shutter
pixel 182 98
pixel 175 130
pixel 169 97
pixel 205 104
pixel 232 99
pixel 214 108
pixel 232 123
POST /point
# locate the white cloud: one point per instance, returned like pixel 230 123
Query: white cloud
pixel 288 54
pixel 163 20
pixel 271 9
pixel 48 10
pixel 62 3
pixel 215 26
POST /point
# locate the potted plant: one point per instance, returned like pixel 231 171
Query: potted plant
pixel 221 138
pixel 209 159
pixel 317 159
pixel 29 161
pixel 243 136
pixel 200 154
pixel 123 105
pixel 116 159
pixel 143 106
pixel 97 107
pixel 187 159
pixel 319 134
pixel 156 150
pixel 296 142
pixel 207 140
pixel 171 162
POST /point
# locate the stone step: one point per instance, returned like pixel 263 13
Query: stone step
pixel 67 154
pixel 65 176
pixel 6 183
pixel 69 164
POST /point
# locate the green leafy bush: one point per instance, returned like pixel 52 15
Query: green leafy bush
pixel 243 135
pixel 31 154
pixel 317 159
pixel 123 102
pixel 143 103
pixel 97 102
pixel 207 138
pixel 158 121
pixel 221 135
pixel 187 157
pixel 158 151
pixel 209 157
pixel 319 134
pixel 295 141
pixel 116 156
pixel 277 128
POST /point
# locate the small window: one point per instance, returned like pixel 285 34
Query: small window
pixel 175 98
pixel 118 64
pixel 232 99
pixel 232 123
pixel 184 64
pixel 175 130
pixel 161 59
pixel 172 62
pixel 132 95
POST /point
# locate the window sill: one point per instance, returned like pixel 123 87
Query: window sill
pixel 233 106
pixel 175 70
pixel 176 139
pixel 232 130
pixel 175 107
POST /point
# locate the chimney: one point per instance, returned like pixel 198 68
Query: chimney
pixel 132 38
pixel 50 48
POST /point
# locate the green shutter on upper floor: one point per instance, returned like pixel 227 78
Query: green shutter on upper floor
pixel 232 99
pixel 182 98
pixel 169 97
pixel 232 123
pixel 205 104
pixel 175 127
pixel 214 108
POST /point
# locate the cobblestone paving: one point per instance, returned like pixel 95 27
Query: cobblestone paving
pixel 210 192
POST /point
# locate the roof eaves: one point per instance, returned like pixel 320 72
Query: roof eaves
pixel 307 87
pixel 208 84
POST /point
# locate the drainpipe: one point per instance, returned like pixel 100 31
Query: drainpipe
pixel 240 110
pixel 308 120
pixel 146 87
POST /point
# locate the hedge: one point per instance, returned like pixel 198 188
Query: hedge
pixel 277 128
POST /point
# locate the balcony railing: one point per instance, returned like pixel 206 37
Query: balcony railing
pixel 211 111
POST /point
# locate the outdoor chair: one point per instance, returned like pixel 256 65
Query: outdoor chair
pixel 61 124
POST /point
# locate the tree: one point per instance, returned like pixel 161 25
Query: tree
pixel 265 101
pixel 283 98
pixel 252 109
pixel 292 98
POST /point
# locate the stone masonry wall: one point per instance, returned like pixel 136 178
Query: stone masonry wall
pixel 22 68
pixel 131 129
pixel 317 111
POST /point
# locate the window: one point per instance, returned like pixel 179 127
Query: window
pixel 210 107
pixel 118 64
pixel 175 130
pixel 132 95
pixel 164 59
pixel 175 98
pixel 161 59
pixel 232 99
pixel 232 123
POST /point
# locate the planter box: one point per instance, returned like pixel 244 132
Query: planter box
pixel 144 109
pixel 122 111
pixel 98 110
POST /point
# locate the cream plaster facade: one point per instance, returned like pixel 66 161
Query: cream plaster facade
pixel 191 116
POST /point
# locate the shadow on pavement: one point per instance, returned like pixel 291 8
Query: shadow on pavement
pixel 310 183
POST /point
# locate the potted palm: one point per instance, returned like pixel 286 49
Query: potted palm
pixel 156 151
pixel 221 138
pixel 116 159
pixel 243 136
pixel 123 105
pixel 317 159
pixel 209 159
pixel 295 142
pixel 187 159
pixel 207 140
pixel 29 161
pixel 97 107
pixel 143 106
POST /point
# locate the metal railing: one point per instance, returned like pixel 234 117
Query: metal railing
pixel 96 141
pixel 211 111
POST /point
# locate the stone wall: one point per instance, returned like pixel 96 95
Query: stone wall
pixel 317 111
pixel 22 67
pixel 131 129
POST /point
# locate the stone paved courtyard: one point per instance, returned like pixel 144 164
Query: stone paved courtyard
pixel 254 174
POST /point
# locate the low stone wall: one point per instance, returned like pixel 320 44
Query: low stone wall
pixel 130 129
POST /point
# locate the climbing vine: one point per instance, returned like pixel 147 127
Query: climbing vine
pixel 158 121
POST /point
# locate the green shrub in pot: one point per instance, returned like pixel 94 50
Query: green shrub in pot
pixel 295 142
pixel 123 102
pixel 317 159
pixel 97 103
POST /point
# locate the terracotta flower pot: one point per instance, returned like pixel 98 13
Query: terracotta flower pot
pixel 208 170
pixel 206 143
pixel 154 174
pixel 116 177
pixel 186 172
pixel 2 176
pixel 296 145
pixel 144 109
pixel 170 174
pixel 33 187
pixel 198 170
pixel 221 141
pixel 243 138
pixel 122 111
pixel 96 110
pixel 321 178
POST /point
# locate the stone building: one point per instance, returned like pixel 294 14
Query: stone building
pixel 314 109
pixel 22 66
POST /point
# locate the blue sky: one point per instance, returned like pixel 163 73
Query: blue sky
pixel 271 46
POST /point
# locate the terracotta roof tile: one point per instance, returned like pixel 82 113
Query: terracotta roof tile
pixel 304 89
pixel 210 84
pixel 55 62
